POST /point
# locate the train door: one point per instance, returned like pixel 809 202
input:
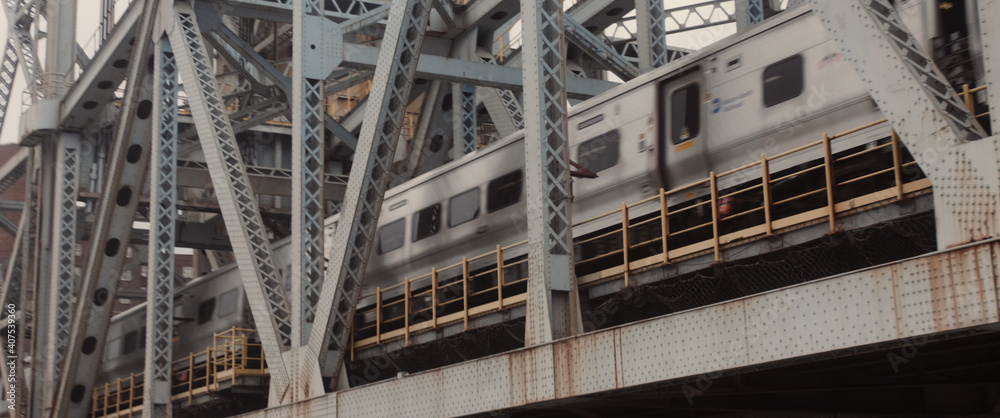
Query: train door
pixel 682 131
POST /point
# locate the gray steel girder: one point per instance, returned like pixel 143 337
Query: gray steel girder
pixel 354 237
pixel 163 217
pixel 261 278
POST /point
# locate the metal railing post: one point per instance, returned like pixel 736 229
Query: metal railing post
pixel 406 311
pixel 378 315
pixel 499 277
pixel 715 214
pixel 664 225
pixel 828 165
pixel 897 164
pixel 765 184
pixel 625 242
pixel 465 290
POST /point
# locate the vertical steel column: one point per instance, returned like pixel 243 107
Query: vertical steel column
pixel 10 294
pixel 652 34
pixel 308 115
pixel 989 15
pixel 552 310
pixel 932 121
pixel 748 13
pixel 163 217
pixel 464 123
pixel 394 74
pixel 261 277
pixel 63 239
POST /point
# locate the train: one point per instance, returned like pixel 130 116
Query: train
pixel 772 88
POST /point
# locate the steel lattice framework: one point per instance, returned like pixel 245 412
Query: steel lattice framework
pixel 163 214
pixel 551 284
pixel 261 278
pixel 394 74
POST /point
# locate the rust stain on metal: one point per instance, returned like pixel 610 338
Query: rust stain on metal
pixel 936 282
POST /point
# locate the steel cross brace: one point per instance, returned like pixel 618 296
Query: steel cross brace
pixel 394 74
pixel 930 118
pixel 163 216
pixel 311 64
pixel 261 277
pixel 552 309
pixel 606 55
pixel 254 58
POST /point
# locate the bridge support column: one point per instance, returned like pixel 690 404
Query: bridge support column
pixel 932 121
pixel 652 34
pixel 163 217
pixel 552 306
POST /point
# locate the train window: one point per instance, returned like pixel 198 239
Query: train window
pixel 390 237
pixel 783 80
pixel 114 349
pixel 130 343
pixel 685 113
pixel 426 222
pixel 504 191
pixel 227 303
pixel 600 152
pixel 463 207
pixel 205 311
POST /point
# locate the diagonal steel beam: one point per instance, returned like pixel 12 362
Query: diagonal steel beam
pixel 932 121
pixel 602 52
pixel 268 70
pixel 128 164
pixel 261 277
pixel 394 75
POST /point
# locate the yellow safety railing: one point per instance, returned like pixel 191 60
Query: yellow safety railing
pixel 472 287
pixel 231 355
pixel 659 227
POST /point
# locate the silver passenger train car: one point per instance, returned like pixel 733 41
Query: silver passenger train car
pixel 773 88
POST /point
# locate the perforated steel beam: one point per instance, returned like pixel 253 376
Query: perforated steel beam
pixel 931 120
pixel 128 164
pixel 552 308
pixel 261 277
pixel 989 14
pixel 163 216
pixel 651 34
pixel 352 242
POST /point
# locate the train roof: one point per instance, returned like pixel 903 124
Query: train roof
pixel 616 91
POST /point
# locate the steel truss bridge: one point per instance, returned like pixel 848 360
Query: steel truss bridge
pixel 178 105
